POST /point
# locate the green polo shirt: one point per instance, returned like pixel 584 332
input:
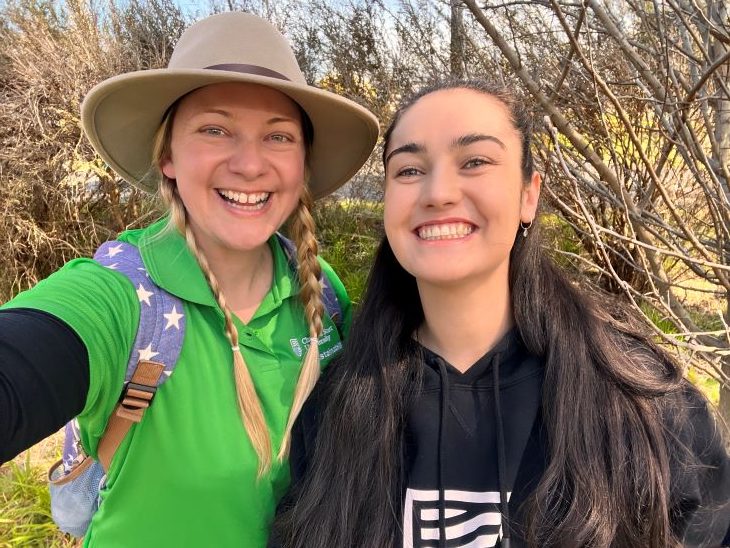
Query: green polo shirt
pixel 186 475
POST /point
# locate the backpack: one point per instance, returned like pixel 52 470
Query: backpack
pixel 75 480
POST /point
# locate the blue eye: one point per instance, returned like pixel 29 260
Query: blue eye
pixel 214 131
pixel 280 138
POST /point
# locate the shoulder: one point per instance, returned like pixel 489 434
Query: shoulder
pixel 101 307
pixel 692 422
pixel 151 232
pixel 699 469
pixel 82 286
pixel 340 293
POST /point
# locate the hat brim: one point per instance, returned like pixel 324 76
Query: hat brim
pixel 121 115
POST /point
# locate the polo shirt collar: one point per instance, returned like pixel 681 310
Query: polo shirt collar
pixel 173 267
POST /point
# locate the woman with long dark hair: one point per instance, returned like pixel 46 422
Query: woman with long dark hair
pixel 482 399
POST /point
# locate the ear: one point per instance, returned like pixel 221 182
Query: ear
pixel 530 198
pixel 168 167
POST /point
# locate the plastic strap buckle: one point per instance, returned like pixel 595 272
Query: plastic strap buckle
pixel 137 396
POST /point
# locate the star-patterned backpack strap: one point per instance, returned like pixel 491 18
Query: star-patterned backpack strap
pixel 156 347
pixel 76 479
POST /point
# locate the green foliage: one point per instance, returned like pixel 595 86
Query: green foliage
pixel 663 323
pixel 708 386
pixel 706 320
pixel 558 235
pixel 349 233
pixel 26 516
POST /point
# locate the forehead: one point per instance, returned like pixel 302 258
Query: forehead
pixel 231 96
pixel 445 115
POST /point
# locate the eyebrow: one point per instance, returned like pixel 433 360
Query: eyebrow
pixel 466 140
pixel 277 119
pixel 270 121
pixel 459 142
pixel 408 147
pixel 222 112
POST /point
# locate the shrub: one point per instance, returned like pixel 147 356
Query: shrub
pixel 57 198
pixel 349 232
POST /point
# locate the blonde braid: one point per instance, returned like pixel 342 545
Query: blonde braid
pixel 310 271
pixel 248 401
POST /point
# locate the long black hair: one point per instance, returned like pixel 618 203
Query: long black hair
pixel 607 389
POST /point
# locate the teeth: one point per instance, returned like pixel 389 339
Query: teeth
pixel 243 198
pixel 448 231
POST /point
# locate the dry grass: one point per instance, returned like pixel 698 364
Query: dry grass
pixel 57 198
pixel 25 519
pixel 43 454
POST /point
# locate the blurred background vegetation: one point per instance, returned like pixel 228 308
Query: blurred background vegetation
pixel 635 148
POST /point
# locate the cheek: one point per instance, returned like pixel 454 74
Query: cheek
pixel 293 171
pixel 288 200
pixel 391 210
pixel 388 228
pixel 397 210
pixel 398 201
pixel 295 196
pixel 189 194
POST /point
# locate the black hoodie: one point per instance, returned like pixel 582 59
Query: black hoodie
pixel 464 444
pixel 475 440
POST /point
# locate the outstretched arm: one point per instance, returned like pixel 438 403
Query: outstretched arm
pixel 44 378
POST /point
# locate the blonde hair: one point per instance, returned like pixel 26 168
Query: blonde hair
pixel 310 292
pixel 309 273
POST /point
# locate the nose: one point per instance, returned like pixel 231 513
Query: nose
pixel 441 188
pixel 247 159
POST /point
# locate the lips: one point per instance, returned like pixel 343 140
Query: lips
pixel 250 200
pixel 444 231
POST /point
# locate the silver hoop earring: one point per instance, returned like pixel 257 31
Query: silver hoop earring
pixel 525 228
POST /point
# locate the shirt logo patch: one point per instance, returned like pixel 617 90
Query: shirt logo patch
pixel 298 345
pixel 473 519
pixel 295 346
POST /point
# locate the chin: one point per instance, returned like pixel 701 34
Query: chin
pixel 251 245
pixel 242 245
pixel 441 277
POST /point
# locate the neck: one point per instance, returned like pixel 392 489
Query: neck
pixel 244 277
pixel 464 321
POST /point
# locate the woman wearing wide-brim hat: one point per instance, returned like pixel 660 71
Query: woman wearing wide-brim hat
pixel 236 143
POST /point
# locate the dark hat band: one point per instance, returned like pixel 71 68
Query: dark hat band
pixel 249 69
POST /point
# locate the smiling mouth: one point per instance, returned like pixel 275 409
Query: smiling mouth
pixel 446 231
pixel 247 200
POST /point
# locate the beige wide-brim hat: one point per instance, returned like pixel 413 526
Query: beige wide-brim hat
pixel 121 115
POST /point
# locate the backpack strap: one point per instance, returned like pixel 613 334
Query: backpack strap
pixel 160 335
pixel 329 297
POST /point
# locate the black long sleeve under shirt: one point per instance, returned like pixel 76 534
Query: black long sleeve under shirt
pixel 44 378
